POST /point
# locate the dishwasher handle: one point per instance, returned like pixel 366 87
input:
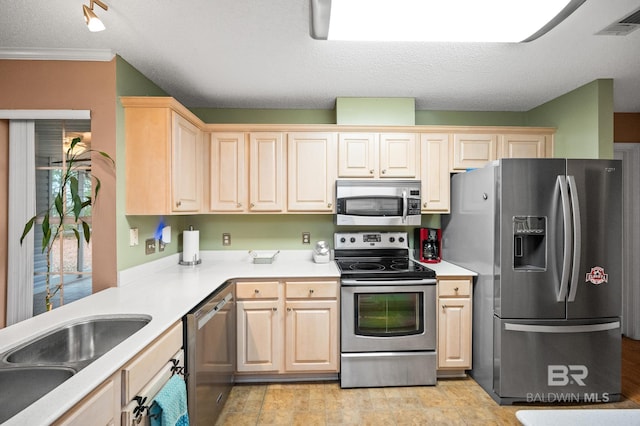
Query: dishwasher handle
pixel 208 311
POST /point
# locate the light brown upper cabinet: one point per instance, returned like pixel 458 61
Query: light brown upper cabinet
pixel 378 155
pixel 267 172
pixel 311 171
pixel 163 158
pixel 524 146
pixel 247 172
pixel 469 151
pixel 434 151
pixel 227 172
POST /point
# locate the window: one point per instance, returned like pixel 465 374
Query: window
pixel 68 262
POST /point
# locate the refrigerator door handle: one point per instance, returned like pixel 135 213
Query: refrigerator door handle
pixel 577 240
pixel 568 238
pixel 587 328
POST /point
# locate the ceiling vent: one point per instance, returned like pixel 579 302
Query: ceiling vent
pixel 623 26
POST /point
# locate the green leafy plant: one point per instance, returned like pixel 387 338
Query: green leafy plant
pixel 69 201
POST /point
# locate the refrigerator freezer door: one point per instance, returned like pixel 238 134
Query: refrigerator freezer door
pixel 530 239
pixel 553 361
pixel 595 289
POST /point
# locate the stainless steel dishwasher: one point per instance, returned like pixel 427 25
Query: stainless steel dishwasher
pixel 210 331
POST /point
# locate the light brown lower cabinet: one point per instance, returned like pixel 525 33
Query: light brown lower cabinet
pixel 454 323
pixel 111 403
pixel 288 326
pixel 100 407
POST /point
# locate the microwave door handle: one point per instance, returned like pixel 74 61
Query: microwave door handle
pixel 405 206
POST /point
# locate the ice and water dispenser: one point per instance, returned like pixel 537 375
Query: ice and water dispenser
pixel 529 243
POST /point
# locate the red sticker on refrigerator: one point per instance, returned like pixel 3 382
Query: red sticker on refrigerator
pixel 597 276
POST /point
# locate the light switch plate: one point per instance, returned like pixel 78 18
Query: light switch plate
pixel 133 237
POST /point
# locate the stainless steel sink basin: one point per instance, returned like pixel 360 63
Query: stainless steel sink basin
pixel 22 386
pixel 79 343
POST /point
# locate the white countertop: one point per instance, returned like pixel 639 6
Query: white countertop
pixel 579 417
pixel 166 292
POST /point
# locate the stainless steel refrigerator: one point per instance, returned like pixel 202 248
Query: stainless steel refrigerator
pixel 544 236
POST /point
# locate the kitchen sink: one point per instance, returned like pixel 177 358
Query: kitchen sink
pixel 79 343
pixel 22 386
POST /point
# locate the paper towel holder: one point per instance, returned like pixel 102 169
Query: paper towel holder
pixel 196 260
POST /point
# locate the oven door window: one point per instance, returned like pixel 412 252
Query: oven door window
pixel 373 206
pixel 389 314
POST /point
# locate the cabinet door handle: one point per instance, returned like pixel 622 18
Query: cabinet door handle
pixel 310 292
pixel 455 289
pixel 256 291
pixel 329 205
pixel 239 205
pixel 274 309
pixel 178 203
pixel 371 171
pixel 253 204
pixel 384 171
pixel 288 309
pixel 424 204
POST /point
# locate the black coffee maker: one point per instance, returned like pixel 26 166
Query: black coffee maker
pixel 427 244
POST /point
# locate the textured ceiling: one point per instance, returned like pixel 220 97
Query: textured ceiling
pixel 259 54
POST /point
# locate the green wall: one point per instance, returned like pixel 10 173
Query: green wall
pixel 274 231
pixel 583 118
pixel 470 118
pixel 130 82
pixel 265 116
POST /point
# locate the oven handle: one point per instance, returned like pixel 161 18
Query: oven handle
pixel 422 281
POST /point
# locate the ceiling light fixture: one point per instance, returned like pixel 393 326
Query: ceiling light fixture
pixel 93 22
pixel 437 20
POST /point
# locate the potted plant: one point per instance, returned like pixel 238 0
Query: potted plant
pixel 69 200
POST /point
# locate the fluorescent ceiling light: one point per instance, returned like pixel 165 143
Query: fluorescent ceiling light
pixel 438 20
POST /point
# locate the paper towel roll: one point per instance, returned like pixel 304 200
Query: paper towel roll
pixel 191 247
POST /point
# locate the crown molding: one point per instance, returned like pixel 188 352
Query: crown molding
pixel 57 54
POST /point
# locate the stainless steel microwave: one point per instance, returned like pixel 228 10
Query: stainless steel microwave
pixel 378 202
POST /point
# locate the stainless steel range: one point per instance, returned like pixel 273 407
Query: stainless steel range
pixel 388 304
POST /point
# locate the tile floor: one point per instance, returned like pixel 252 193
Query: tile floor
pixel 450 402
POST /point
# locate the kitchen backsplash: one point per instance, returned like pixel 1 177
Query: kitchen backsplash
pixel 247 231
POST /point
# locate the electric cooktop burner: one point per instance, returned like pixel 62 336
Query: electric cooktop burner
pixel 389 268
pixel 377 255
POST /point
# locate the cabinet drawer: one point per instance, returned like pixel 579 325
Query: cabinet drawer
pixel 454 288
pixel 257 290
pixel 311 289
pixel 95 409
pixel 137 373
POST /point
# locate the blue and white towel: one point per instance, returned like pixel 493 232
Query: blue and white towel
pixel 169 407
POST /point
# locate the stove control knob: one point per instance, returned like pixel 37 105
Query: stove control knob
pixel 391 239
pixel 401 239
pixel 343 239
pixel 352 239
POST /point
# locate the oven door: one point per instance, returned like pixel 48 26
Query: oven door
pixel 378 318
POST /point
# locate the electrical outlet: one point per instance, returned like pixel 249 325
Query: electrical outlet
pixel 226 239
pixel 161 245
pixel 150 245
pixel 306 238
